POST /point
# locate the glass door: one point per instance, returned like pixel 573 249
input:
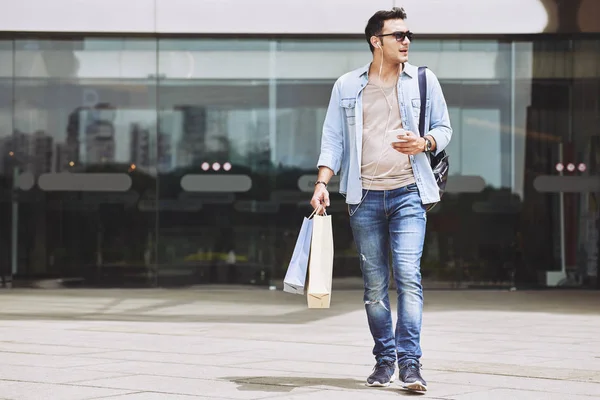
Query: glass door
pixel 7 204
pixel 562 218
pixel 84 124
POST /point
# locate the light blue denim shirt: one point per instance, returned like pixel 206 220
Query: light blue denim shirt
pixel 341 144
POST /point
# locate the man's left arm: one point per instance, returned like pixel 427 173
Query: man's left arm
pixel 440 130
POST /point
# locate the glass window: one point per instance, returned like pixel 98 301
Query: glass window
pixel 87 107
pixel 192 160
pixel 216 130
pixel 6 162
pixel 559 162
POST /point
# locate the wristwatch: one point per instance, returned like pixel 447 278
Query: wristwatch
pixel 427 147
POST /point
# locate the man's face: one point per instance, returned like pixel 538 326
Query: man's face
pixel 394 50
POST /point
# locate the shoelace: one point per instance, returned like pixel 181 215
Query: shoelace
pixel 382 363
pixel 413 365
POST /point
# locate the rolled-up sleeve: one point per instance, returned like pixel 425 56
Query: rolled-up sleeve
pixel 439 123
pixel 332 141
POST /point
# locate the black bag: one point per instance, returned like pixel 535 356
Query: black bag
pixel 439 163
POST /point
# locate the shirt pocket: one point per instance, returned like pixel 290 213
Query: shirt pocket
pixel 416 108
pixel 349 107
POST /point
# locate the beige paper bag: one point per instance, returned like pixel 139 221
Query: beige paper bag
pixel 320 267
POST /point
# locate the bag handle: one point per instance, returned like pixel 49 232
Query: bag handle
pixel 315 210
pixel 423 93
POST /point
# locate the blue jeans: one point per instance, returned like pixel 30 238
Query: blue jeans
pixel 392 221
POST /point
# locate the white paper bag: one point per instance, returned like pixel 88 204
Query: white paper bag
pixel 320 267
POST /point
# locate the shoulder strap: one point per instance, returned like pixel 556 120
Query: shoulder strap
pixel 423 92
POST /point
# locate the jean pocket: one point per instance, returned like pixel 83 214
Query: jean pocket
pixel 412 188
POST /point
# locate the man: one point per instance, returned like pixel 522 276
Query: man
pixel 371 137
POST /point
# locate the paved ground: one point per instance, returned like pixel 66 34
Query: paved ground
pixel 216 343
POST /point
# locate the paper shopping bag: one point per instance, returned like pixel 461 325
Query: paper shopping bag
pixel 320 266
pixel 295 276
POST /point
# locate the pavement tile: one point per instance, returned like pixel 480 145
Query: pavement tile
pixel 503 394
pixel 513 382
pixel 495 358
pixel 51 375
pixel 44 391
pixel 47 349
pixel 235 388
pixel 556 352
pixel 176 358
pixel 363 358
pixel 186 370
pixel 589 364
pixel 41 360
pixel 155 396
pixel 316 368
pixel 379 393
pixel 594 379
pixel 507 369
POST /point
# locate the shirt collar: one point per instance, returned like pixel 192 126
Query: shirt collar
pixel 409 70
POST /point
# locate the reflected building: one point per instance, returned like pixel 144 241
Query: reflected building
pixel 140 146
pixel 192 146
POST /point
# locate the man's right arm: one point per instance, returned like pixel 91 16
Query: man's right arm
pixel 321 194
pixel 332 149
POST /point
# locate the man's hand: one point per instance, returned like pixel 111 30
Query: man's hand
pixel 411 144
pixel 320 198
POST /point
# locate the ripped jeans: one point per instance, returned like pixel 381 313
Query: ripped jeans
pixel 392 222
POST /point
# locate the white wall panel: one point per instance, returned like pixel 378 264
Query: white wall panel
pixel 271 16
pixel 266 16
pixel 77 15
pixel 476 16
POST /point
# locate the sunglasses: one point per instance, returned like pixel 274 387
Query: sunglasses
pixel 400 36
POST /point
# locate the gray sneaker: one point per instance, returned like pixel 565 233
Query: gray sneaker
pixel 410 375
pixel 383 374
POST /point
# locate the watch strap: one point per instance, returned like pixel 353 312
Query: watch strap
pixel 428 145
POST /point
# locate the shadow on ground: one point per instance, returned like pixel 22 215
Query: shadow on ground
pixel 263 306
pixel 285 384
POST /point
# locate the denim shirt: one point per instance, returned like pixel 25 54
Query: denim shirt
pixel 341 143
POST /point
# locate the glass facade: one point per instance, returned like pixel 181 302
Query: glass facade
pixel 159 162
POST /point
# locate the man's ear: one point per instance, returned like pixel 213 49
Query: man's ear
pixel 375 42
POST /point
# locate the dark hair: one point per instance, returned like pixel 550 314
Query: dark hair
pixel 376 22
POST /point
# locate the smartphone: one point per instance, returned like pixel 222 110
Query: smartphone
pixel 393 135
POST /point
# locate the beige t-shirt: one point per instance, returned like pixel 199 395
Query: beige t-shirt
pixel 394 169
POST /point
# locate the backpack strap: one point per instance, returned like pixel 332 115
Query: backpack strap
pixel 423 93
